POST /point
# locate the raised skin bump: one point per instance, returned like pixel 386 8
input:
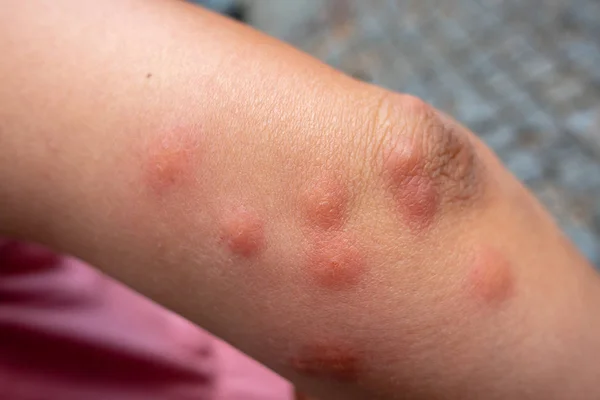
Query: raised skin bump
pixel 324 204
pixel 333 361
pixel 242 231
pixel 491 279
pixel 413 190
pixel 170 161
pixel 336 261
pixel 429 165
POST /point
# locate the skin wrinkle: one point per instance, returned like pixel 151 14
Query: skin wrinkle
pixel 395 125
pixel 377 125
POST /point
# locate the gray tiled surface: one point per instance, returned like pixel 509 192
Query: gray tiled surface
pixel 524 75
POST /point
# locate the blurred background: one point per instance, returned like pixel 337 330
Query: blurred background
pixel 524 75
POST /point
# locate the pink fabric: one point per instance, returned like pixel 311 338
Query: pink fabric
pixel 68 332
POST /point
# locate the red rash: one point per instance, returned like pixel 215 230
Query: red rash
pixel 413 189
pixel 335 362
pixel 336 262
pixel 243 232
pixel 170 161
pixel 491 279
pixel 418 200
pixel 325 204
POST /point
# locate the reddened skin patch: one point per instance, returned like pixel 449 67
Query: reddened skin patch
pixel 171 160
pixel 333 361
pixel 491 279
pixel 324 204
pixel 242 231
pixel 412 188
pixel 429 163
pixel 335 261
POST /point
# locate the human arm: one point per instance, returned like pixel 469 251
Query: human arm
pixel 352 239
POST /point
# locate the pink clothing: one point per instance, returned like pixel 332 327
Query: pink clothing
pixel 68 332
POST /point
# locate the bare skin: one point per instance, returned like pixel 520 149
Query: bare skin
pixel 354 240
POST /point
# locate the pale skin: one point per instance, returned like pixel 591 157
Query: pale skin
pixel 354 240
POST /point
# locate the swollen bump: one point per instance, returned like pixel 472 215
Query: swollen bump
pixel 325 204
pixel 170 161
pixel 336 262
pixel 414 191
pixel 429 165
pixel 243 232
pixel 491 279
pixel 334 361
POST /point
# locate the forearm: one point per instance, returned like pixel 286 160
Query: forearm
pixel 285 207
